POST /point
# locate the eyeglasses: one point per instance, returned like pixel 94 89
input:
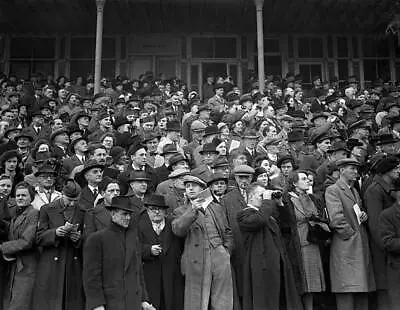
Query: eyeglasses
pixel 155 210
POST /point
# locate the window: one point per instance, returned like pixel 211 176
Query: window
pixel 214 48
pixel 272 65
pixel 343 69
pixel 271 46
pixel 376 68
pixel 375 47
pixel 83 56
pixel 310 47
pixel 342 47
pixel 308 71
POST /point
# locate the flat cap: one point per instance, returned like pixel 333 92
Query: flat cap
pixel 194 179
pixel 386 164
pixel 71 189
pixel 348 162
pixel 178 173
pixel 197 126
pixel 243 170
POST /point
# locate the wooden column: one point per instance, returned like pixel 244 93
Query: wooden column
pixel 260 43
pixel 99 44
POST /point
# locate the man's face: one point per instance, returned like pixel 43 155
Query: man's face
pixel 46 180
pixel 111 191
pixel 139 158
pixel 256 197
pixel 243 181
pixel 241 159
pixel 350 172
pixel 23 142
pixel 324 145
pixel 139 187
pixel 121 217
pixel 69 201
pixel 62 93
pixel 192 190
pixel 62 138
pixel 156 214
pixel 81 146
pixel 208 157
pixel 83 121
pixel 394 173
pixel 219 92
pixel 38 120
pixel 148 126
pixel 218 188
pixel 7 116
pixel 22 197
pixel 94 176
pixel 152 145
pixel 340 154
pixel 100 155
pixel 174 135
pixel 58 124
pixel 250 143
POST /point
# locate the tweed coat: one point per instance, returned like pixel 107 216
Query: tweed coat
pixel 376 199
pixel 22 232
pixel 58 283
pixel 112 269
pixel 189 224
pixel 350 260
pixel 389 231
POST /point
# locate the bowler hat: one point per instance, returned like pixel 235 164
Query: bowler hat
pixel 284 158
pixel 91 164
pixel 155 201
pixel 351 143
pixel 119 121
pixel 318 115
pixel 58 132
pixel 121 203
pixel 71 189
pixel 24 134
pixel 138 176
pixel 136 147
pixel 73 128
pixel 78 115
pixel 209 148
pixel 74 142
pixel 37 112
pixel 150 136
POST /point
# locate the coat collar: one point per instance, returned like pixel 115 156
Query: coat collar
pixel 347 191
pixel 385 185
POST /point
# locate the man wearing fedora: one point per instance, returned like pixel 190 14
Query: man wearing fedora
pixel 104 126
pixel 112 264
pixel 138 188
pixel 353 280
pixel 248 145
pixel 161 253
pixel 92 174
pixel 217 102
pixel 203 115
pixel 59 236
pixel 45 192
pixel 322 142
pixel 137 153
pixel 205 262
pixel 36 128
pixel 173 136
pixel 78 149
pixel 197 129
pixel 174 192
pixel 176 161
pixel 208 155
pixel 59 140
pixel 168 151
pixel 218 185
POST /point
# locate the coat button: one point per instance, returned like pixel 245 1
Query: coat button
pixel 56 258
pixel 75 257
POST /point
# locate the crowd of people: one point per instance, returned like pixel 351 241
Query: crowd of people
pixel 148 196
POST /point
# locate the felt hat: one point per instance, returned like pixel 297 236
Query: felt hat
pixel 169 149
pixel 119 121
pixel 220 162
pixel 136 147
pixel 209 148
pixel 73 128
pixel 177 158
pixel 77 116
pixel 24 134
pixel 71 189
pixel 58 132
pixel 386 139
pixel 91 164
pixel 211 130
pixel 11 129
pixel 155 201
pixel 386 164
pixel 150 136
pixel 178 173
pixel 138 176
pixel 197 126
pixel 217 177
pixel 45 170
pixel 173 125
pixel 121 203
pixel 284 158
pixel 338 146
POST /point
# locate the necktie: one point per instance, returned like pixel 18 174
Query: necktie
pixel 95 193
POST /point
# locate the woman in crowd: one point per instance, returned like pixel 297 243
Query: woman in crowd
pixel 108 140
pixel 300 211
pixel 9 165
pixel 20 251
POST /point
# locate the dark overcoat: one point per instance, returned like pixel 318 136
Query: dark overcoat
pixel 4 226
pixel 268 276
pixel 376 199
pixel 58 283
pixel 96 219
pixel 233 202
pixel 86 199
pixel 112 270
pixel 18 294
pixel 162 273
pixel 389 231
pixel 151 174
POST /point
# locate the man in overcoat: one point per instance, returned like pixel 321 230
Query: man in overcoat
pixel 58 283
pixel 350 260
pixel 377 198
pixel 112 270
pixel 205 261
pixel 389 232
pixel 161 253
pixel 268 281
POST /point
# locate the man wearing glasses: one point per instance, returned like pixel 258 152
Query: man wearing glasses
pixel 45 192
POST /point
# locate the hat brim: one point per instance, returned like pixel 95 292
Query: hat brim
pixel 23 136
pixel 139 179
pixel 36 174
pixel 120 208
pixel 209 151
pixel 84 170
pixel 154 205
pixel 218 179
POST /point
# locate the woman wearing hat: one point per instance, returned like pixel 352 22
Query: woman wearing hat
pixel 59 275
pixel 304 253
pixel 19 250
pixel 9 165
pixel 161 252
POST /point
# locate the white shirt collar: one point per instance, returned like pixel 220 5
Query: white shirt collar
pixel 92 188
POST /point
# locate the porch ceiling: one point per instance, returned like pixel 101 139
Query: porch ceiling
pixel 189 16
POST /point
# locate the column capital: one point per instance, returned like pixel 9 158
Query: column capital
pixel 259 4
pixel 100 4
